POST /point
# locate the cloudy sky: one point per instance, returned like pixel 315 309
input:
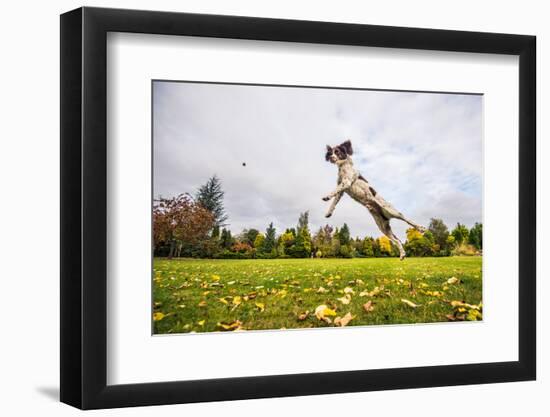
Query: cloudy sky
pixel 421 151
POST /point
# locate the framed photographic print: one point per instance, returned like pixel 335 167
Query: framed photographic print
pixel 258 207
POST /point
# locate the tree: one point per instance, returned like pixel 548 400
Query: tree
pixel 385 245
pixel 460 233
pixel 259 242
pixel 216 232
pixel 242 247
pixel 328 229
pixel 335 246
pixel 285 242
pixel 226 240
pixel 451 241
pixel 210 196
pixel 368 247
pixel 413 234
pixel 318 242
pixel 180 221
pixel 250 235
pixel 357 245
pixel 376 248
pixel 346 251
pixel 269 241
pixel 302 246
pixel 344 235
pixel 440 234
pixel 419 244
pixel 303 222
pixel 475 236
pixel 322 240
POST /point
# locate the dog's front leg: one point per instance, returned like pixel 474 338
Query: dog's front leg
pixel 343 186
pixel 335 201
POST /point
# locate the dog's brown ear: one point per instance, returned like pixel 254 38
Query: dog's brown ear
pixel 347 147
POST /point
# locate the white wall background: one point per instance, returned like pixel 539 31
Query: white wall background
pixel 29 219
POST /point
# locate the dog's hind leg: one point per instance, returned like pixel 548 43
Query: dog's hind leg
pixel 398 215
pixel 397 242
pixel 390 212
pixel 384 226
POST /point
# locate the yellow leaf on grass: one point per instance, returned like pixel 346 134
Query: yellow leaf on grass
pixel 223 300
pixel 452 280
pixel 261 306
pixel 201 322
pixel 237 300
pixel 235 325
pixel 434 293
pixel 458 304
pixel 322 290
pixel 329 312
pixel 368 307
pixel 322 311
pixel 474 315
pixel 409 303
pixel 343 321
pixel 202 303
pixel 216 277
pixel 158 316
pixel 348 290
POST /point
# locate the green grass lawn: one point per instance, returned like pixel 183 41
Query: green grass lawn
pixel 203 295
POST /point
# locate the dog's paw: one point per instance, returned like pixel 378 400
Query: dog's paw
pixel 326 198
pixel 328 215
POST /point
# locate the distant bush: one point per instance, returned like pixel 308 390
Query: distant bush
pixel 465 249
pixel 261 255
pixel 226 254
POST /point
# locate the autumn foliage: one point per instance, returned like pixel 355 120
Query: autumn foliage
pixel 180 221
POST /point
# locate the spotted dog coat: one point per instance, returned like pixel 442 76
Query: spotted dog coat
pixel 358 188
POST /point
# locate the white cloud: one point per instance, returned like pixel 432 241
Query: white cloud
pixel 421 151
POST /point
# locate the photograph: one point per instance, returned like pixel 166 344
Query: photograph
pixel 284 207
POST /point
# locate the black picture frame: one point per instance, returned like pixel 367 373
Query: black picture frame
pixel 84 207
